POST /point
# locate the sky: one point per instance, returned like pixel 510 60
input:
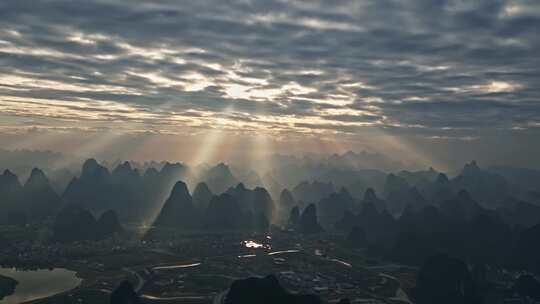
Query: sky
pixel 431 82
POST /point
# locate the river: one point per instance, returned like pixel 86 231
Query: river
pixel 38 284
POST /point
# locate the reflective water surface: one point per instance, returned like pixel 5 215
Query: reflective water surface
pixel 38 284
pixel 176 266
pixel 255 245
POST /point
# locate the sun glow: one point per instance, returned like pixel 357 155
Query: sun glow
pixel 498 87
pixel 494 86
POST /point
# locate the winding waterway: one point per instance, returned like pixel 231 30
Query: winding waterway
pixel 177 266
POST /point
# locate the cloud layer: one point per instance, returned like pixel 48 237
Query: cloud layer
pixel 432 69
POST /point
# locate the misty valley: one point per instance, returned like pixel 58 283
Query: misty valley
pixel 329 229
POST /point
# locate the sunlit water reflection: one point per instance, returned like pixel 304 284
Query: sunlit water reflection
pixel 255 245
pixel 176 266
pixel 284 251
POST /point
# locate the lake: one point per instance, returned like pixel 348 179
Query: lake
pixel 38 284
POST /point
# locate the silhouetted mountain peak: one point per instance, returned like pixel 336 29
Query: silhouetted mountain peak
pixel 442 179
pixel 169 166
pixel 471 168
pixel 74 223
pixel 125 165
pixel 178 211
pixel 221 166
pixel 225 212
pixel 294 217
pixel 202 195
pixel 151 173
pixel 90 165
pixel 92 170
pixel 220 169
pixel 261 192
pixel 37 177
pixel 308 220
pixel 286 195
pixel 123 168
pixel 286 202
pixel 219 178
pixel 171 169
pixel 370 195
pixel 201 187
pixel 108 223
pixel 8 174
pixel 461 207
pixel 180 192
pixel 9 179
